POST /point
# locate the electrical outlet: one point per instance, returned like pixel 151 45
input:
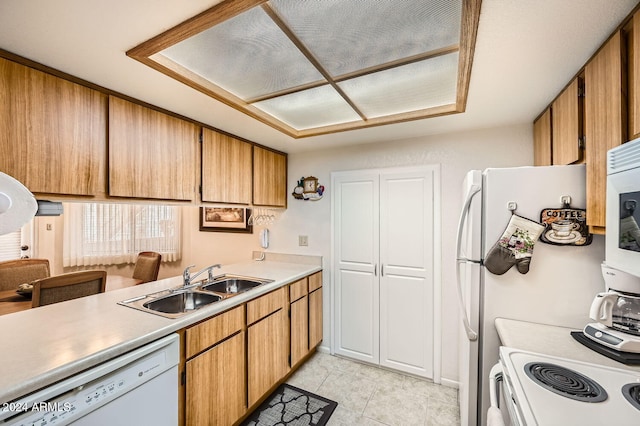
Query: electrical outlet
pixel 49 227
pixel 303 240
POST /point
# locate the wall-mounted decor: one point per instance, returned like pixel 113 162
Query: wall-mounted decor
pixel 308 189
pixel 225 219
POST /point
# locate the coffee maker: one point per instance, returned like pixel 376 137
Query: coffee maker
pixel 616 312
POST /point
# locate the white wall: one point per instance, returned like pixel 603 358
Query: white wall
pixel 456 153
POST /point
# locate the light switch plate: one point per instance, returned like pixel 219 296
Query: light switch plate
pixel 303 240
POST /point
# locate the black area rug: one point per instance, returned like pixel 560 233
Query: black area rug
pixel 289 405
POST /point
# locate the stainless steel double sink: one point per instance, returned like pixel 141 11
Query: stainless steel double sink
pixel 177 302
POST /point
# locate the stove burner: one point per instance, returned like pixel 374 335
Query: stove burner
pixel 632 393
pixel 565 382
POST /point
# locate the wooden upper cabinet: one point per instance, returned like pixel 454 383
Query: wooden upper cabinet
pixel 151 154
pixel 634 77
pixel 605 123
pixel 542 140
pixel 52 132
pixel 567 113
pixel 226 169
pixel 269 178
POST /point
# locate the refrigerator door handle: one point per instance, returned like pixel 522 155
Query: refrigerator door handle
pixel 473 190
pixel 471 335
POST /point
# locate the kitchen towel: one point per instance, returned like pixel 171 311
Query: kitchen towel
pixel 494 417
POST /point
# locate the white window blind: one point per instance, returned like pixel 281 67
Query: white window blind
pixel 10 246
pixel 108 234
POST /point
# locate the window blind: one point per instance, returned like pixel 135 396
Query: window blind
pixel 10 246
pixel 111 234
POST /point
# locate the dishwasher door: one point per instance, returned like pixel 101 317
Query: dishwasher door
pixel 154 403
pixel 139 387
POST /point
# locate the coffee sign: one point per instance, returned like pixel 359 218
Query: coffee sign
pixel 565 226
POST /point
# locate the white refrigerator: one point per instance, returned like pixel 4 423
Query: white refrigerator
pixel 557 290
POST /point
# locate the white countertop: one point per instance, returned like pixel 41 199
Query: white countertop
pixel 43 345
pixel 550 340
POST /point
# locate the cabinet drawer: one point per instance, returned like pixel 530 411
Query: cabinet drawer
pixel 315 281
pixel 265 305
pixel 211 331
pixel 297 290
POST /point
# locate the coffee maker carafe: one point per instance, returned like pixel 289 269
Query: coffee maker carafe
pixel 617 312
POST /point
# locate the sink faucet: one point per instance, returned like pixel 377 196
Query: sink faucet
pixel 187 277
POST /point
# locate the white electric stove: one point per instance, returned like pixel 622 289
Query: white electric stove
pixel 547 391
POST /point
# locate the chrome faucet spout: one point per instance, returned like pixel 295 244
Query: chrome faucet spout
pixel 188 278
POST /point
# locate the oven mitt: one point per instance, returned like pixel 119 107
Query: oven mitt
pixel 514 247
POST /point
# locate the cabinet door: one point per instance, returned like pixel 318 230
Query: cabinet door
pixel 542 140
pixel 407 209
pixel 267 353
pixel 226 169
pixel 269 178
pixel 209 332
pixel 634 78
pixel 215 384
pixel 315 281
pixel 356 244
pixel 315 318
pixel 604 118
pixel 151 154
pixel 52 132
pixel 567 112
pixel 299 329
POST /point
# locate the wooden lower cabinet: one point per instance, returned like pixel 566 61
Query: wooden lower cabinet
pixel 215 372
pixel 216 383
pixel 231 361
pixel 267 353
pixel 315 318
pixel 299 329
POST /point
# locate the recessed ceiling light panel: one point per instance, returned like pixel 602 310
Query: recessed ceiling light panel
pixel 420 85
pixel 247 55
pixel 310 67
pixel 348 36
pixel 318 107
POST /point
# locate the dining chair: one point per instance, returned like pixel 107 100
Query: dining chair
pixel 67 287
pixel 147 266
pixel 21 271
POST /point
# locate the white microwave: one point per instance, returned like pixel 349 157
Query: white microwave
pixel 623 207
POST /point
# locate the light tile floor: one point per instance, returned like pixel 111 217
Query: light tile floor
pixel 368 395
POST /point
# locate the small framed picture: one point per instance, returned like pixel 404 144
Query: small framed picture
pixel 310 184
pixel 225 219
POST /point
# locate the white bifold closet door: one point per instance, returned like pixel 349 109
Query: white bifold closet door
pixel 383 255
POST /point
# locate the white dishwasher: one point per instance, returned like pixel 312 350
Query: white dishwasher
pixel 137 388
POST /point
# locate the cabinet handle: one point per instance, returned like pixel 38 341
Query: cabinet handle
pixel 382 270
pixel 375 270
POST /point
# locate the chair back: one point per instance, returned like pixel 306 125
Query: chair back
pixel 147 266
pixel 67 287
pixel 21 271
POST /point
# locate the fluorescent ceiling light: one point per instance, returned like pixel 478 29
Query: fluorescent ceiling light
pixel 315 67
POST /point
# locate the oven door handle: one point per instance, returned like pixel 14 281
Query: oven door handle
pixel 494 415
pixel 495 377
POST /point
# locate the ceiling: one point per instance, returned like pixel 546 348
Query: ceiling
pixel 526 52
pixel 311 68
